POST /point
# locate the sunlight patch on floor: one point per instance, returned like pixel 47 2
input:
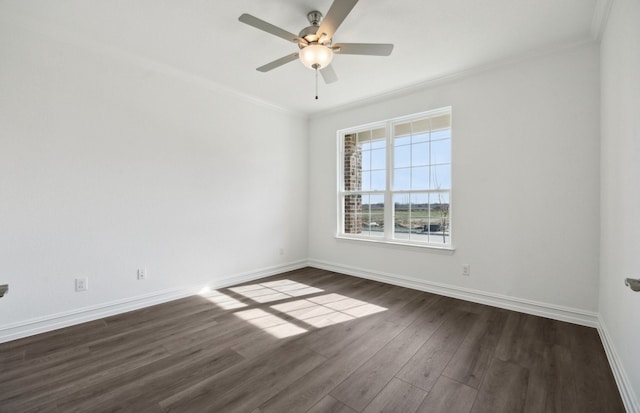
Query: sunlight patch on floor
pixel 223 300
pixel 270 323
pixel 274 290
pixel 278 319
pixel 327 309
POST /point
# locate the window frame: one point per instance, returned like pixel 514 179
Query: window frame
pixel 389 192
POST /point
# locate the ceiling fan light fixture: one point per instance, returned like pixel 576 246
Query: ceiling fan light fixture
pixel 316 56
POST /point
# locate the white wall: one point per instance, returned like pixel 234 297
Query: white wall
pixel 107 165
pixel 525 177
pixel 620 198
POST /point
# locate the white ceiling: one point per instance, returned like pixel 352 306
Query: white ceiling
pixel 203 40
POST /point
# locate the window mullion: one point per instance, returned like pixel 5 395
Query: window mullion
pixel 388 193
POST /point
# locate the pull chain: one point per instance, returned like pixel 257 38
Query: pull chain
pixel 316 67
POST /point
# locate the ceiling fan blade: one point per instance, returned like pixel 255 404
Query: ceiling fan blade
pixel 270 28
pixel 328 74
pixel 335 16
pixel 371 49
pixel 277 63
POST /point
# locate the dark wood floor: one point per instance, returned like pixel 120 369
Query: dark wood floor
pixel 311 341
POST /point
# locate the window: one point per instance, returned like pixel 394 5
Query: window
pixel 395 180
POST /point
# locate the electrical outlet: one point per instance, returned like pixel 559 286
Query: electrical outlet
pixel 82 284
pixel 142 274
pixel 466 270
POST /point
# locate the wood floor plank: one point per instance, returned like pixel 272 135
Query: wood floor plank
pixel 181 308
pixel 245 386
pixel 29 395
pixel 291 342
pixel 425 367
pixel 306 392
pixel 332 340
pixel 330 405
pixel 413 307
pixel 522 339
pixel 12 356
pixel 504 388
pixel 359 389
pixel 595 387
pixel 24 368
pixel 397 397
pixel 148 385
pixel 101 355
pixel 42 344
pixel 448 396
pixel 469 364
pixel 552 383
pixel 50 408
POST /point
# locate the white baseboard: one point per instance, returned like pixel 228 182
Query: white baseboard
pixel 82 315
pixel 556 312
pixel 629 397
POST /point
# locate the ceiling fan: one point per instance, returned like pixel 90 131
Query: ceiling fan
pixel 316 41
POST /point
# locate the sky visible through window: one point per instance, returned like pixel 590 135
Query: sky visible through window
pixel 419 162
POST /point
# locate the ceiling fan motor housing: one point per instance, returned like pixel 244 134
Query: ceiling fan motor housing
pixel 310 33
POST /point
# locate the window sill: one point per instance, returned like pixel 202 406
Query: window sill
pixel 436 249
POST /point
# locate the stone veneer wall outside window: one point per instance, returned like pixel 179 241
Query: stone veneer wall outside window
pixel 352 182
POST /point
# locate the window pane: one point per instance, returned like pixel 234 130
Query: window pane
pixel 366 216
pixel 402 156
pixel 401 216
pixel 411 216
pixel 366 181
pixel 421 137
pixel 364 137
pixel 402 179
pixel 366 160
pixel 353 214
pixel 377 203
pixel 441 122
pixel 376 227
pixel 378 180
pixel 377 159
pixel 379 134
pixel 420 206
pixel 402 129
pixel 441 177
pixel 420 154
pixel 439 228
pixel 420 177
pixel 404 140
pixel 419 216
pixel 441 134
pixel 376 221
pixel 378 145
pixel 441 152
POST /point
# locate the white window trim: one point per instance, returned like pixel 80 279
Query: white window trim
pixel 387 239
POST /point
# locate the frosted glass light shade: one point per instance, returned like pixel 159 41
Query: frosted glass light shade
pixel 316 54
